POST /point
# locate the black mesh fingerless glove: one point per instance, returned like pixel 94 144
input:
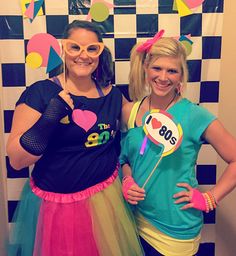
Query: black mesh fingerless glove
pixel 35 140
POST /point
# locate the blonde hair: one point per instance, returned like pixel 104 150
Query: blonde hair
pixel 164 47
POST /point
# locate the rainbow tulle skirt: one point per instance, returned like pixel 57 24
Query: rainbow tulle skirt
pixel 93 222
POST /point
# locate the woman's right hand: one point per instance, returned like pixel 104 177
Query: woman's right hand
pixel 67 98
pixel 131 191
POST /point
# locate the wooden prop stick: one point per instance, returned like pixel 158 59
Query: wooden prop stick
pixel 150 175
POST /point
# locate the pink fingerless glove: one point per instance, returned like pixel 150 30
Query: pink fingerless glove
pixel 199 201
pixel 127 182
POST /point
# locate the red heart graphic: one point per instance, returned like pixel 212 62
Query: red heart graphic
pixel 156 124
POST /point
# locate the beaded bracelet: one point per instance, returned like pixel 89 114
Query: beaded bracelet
pixel 212 199
pixel 211 203
pixel 216 202
pixel 207 204
pixel 211 207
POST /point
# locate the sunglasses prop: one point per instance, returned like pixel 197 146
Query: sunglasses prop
pixel 74 49
pixel 160 128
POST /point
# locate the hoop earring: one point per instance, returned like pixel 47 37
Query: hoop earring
pixel 179 89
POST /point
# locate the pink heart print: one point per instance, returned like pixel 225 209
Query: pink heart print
pixel 156 124
pixel 84 118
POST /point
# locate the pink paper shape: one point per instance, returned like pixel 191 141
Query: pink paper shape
pixel 41 43
pixel 109 5
pixel 89 17
pixel 84 118
pixel 193 3
pixel 30 10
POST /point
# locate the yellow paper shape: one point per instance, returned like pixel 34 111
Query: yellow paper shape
pixel 99 12
pixel 65 120
pixel 183 9
pixel 34 60
pixel 23 8
pixel 174 8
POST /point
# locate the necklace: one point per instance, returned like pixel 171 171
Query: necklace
pixel 172 100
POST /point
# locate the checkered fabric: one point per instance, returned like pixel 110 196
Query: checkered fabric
pixel 129 21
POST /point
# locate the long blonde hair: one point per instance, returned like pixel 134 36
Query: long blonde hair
pixel 164 47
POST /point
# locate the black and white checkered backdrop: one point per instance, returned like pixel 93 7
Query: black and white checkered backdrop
pixel 129 21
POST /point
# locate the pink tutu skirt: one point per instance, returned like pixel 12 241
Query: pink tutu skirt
pixel 93 222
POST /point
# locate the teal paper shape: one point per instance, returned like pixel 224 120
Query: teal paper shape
pixel 53 60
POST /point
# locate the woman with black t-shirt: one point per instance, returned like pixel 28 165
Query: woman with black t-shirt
pixel 66 127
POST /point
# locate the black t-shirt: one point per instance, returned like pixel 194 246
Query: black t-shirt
pixel 81 151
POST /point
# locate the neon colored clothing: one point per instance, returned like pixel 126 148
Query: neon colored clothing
pixel 166 245
pixel 98 224
pixel 158 208
pixel 74 204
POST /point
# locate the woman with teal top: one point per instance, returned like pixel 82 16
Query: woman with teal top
pixel 163 187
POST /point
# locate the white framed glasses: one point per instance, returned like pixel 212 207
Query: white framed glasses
pixel 74 49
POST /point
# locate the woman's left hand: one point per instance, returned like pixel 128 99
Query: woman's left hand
pixel 192 196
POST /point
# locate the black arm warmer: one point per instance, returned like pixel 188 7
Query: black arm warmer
pixel 35 140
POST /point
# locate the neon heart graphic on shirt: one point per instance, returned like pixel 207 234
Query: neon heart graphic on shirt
pixel 84 118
